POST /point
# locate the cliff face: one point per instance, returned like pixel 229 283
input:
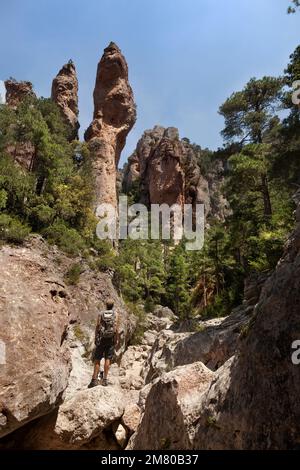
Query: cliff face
pixel 65 94
pixel 114 116
pixel 168 170
pixel 17 91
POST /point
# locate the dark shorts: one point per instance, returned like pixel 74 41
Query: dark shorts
pixel 105 349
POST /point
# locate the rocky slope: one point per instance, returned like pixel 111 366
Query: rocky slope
pixel 114 116
pixel 65 94
pixel 229 385
pixel 166 169
pixel 43 322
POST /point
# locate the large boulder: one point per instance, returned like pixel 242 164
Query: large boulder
pixel 85 421
pixel 33 321
pixel 171 408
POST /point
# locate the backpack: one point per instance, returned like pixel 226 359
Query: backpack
pixel 107 325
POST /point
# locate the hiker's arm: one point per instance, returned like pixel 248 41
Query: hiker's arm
pixel 97 327
pixel 117 332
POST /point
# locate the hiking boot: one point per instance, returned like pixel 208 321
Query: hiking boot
pixel 104 382
pixel 93 383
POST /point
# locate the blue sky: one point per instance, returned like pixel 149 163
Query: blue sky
pixel 185 57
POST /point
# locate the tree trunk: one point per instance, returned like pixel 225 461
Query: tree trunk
pixel 266 196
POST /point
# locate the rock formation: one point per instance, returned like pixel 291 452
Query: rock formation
pixel 23 152
pixel 17 91
pixel 46 329
pixel 165 169
pixel 171 409
pixel 114 116
pixel 65 94
pixel 251 401
pixel 37 363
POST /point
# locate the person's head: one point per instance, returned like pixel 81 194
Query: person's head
pixel 109 304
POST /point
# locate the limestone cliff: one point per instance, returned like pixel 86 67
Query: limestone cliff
pixel 65 94
pixel 114 116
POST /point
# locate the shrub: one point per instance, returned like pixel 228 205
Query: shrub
pixel 72 276
pixel 12 229
pixel 68 239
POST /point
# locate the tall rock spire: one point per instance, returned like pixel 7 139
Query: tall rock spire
pixel 65 94
pixel 114 117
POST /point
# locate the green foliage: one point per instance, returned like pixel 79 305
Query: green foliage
pixel 12 230
pixel 292 8
pixel 140 271
pixel 56 197
pixel 72 276
pixel 177 283
pixel 140 315
pixel 249 114
pixel 16 186
pixel 67 239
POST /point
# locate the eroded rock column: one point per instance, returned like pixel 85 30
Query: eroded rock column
pixel 114 117
pixel 65 94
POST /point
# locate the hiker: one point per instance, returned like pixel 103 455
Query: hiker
pixel 106 340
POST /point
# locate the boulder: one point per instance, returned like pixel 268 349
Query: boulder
pixel 131 417
pixel 86 421
pixel 33 321
pixel 171 408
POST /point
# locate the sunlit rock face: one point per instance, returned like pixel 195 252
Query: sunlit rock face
pixel 114 117
pixel 65 94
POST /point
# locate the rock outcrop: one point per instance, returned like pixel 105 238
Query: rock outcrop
pixel 22 153
pixel 172 407
pixel 16 92
pixel 34 317
pixel 47 329
pixel 165 169
pixel 80 422
pixel 114 116
pixel 214 341
pixel 65 94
